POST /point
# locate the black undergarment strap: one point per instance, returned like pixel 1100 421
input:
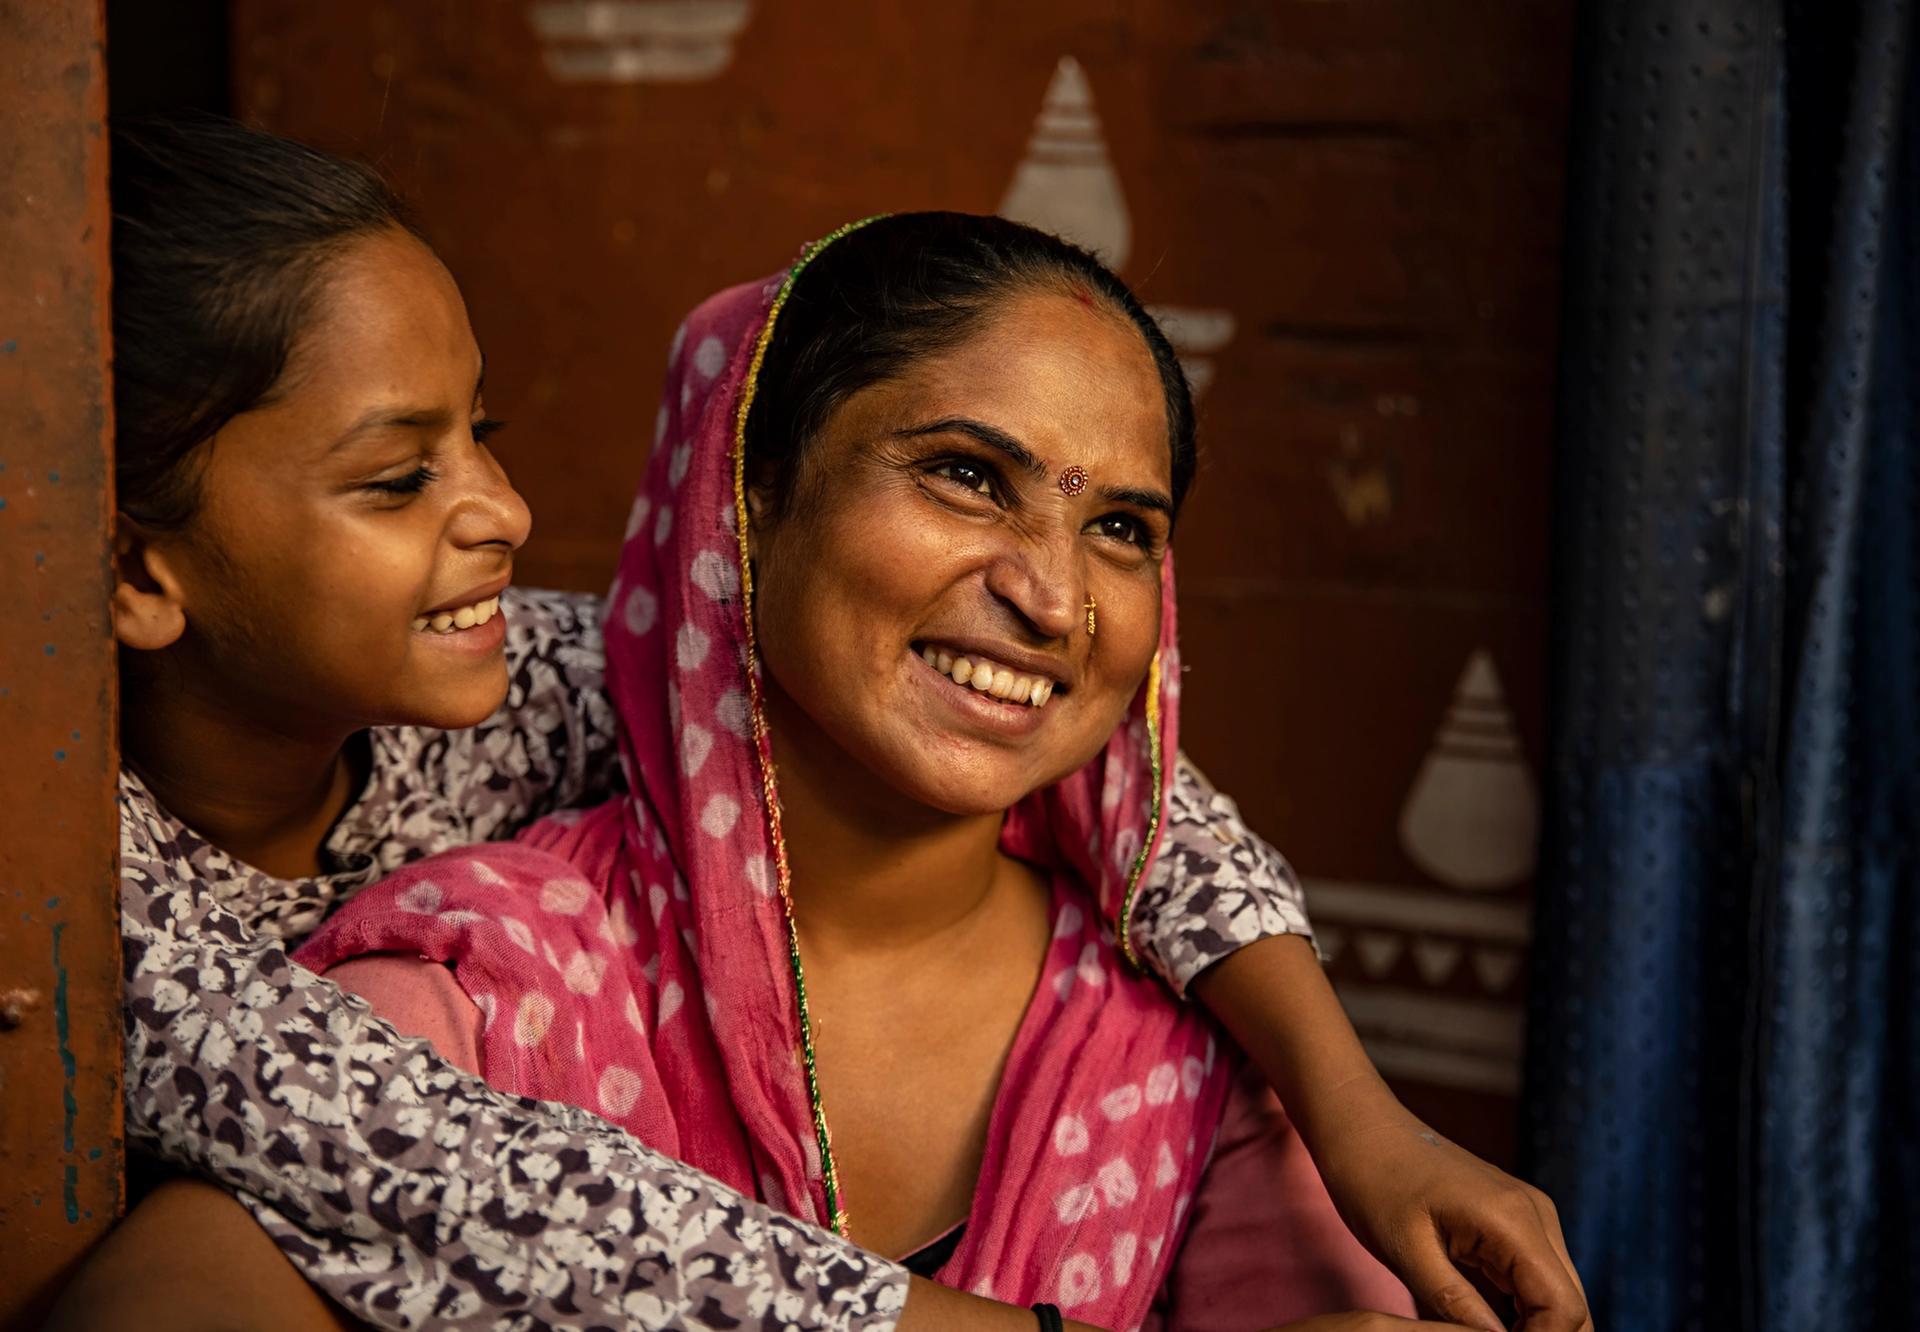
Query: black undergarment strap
pixel 926 1261
pixel 1050 1319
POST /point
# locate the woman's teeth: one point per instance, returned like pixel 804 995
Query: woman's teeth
pixel 465 617
pixel 1000 682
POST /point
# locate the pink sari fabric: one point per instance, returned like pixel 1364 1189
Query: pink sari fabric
pixel 634 960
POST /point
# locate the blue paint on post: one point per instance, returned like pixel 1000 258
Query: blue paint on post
pixel 62 1029
pixel 70 1193
pixel 9 347
pixel 59 756
pixel 51 649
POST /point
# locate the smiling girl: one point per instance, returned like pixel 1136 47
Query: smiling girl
pixel 310 519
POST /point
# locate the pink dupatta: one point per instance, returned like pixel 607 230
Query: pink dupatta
pixel 638 960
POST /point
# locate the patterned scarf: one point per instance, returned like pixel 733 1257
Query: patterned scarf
pixel 640 960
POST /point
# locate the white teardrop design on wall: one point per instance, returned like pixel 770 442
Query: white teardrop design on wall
pixel 638 41
pixel 1067 184
pixel 1472 816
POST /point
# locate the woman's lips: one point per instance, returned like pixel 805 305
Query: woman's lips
pixel 990 677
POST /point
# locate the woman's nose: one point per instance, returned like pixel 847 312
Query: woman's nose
pixel 1043 583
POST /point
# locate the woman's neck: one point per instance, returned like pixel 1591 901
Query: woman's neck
pixel 870 868
pixel 265 795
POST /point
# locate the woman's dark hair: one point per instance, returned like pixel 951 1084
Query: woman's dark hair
pixel 904 287
pixel 220 233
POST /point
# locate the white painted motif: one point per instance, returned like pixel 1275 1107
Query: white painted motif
pixel 638 41
pixel 1472 815
pixel 1067 184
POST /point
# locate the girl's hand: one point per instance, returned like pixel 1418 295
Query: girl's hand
pixel 1435 1213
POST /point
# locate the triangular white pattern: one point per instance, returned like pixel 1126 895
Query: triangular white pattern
pixel 1436 959
pixel 1378 951
pixel 1496 968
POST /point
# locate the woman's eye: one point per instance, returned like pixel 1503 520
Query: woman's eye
pixel 411 484
pixel 971 475
pixel 1121 527
pixel 486 428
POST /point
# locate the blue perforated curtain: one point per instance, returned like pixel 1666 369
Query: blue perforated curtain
pixel 1724 1065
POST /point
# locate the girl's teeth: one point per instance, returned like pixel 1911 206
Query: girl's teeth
pixel 466 617
pixel 995 682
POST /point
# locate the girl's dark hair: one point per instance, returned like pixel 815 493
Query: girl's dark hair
pixel 220 233
pixel 912 285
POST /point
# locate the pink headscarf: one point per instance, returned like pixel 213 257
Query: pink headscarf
pixel 639 960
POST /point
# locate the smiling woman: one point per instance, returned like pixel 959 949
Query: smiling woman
pixel 889 796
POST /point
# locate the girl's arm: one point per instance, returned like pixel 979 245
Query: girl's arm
pixel 1417 1201
pixel 191 1258
pixel 1215 887
pixel 414 1195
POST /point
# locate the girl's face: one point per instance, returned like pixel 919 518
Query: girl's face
pixel 344 514
pixel 928 518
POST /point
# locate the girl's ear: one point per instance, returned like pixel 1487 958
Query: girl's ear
pixel 149 611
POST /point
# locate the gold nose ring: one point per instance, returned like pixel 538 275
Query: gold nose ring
pixel 1090 609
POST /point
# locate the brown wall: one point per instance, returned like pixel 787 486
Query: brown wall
pixel 59 898
pixel 1352 208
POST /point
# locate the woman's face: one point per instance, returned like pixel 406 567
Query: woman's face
pixel 342 518
pixel 928 518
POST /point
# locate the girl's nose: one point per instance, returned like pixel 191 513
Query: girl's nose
pixel 492 512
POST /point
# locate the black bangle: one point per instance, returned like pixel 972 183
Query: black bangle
pixel 1050 1319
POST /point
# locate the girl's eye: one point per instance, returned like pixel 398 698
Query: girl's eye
pixel 971 475
pixel 411 484
pixel 486 428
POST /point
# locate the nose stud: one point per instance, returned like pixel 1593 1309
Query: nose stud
pixel 1090 606
pixel 1073 480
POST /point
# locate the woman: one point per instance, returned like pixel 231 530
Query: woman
pixel 894 660
pixel 295 383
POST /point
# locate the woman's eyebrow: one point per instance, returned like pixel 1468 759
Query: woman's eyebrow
pixel 1154 500
pixel 992 436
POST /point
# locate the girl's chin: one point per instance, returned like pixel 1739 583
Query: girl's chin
pixel 457 708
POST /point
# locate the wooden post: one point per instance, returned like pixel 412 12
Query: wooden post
pixel 60 1105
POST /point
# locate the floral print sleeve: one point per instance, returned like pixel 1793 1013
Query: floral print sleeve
pixel 1215 888
pixel 412 1194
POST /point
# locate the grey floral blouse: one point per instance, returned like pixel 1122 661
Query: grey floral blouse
pixel 415 1195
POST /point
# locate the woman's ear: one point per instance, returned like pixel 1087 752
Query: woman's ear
pixel 760 509
pixel 149 612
